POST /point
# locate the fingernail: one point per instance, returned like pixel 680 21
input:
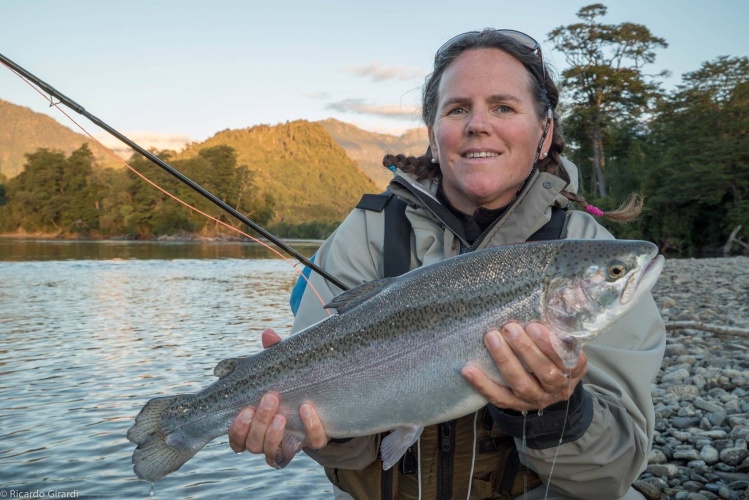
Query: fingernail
pixel 305 410
pixel 246 416
pixel 493 340
pixel 467 374
pixel 510 331
pixel 277 422
pixel 533 330
pixel 266 404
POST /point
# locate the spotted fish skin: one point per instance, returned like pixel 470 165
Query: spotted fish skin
pixel 390 358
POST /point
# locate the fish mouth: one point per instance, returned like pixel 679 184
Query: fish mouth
pixel 642 282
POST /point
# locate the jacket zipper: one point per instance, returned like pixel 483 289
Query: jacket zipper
pixel 446 443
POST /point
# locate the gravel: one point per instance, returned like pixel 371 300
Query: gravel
pixel 701 395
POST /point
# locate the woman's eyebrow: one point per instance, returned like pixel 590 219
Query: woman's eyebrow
pixel 492 98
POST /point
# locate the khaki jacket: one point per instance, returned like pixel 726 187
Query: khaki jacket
pixel 622 363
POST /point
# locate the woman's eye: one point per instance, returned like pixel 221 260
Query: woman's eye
pixel 456 111
pixel 503 109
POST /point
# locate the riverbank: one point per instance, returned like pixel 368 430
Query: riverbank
pixel 701 394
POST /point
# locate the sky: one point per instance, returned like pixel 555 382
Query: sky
pixel 183 70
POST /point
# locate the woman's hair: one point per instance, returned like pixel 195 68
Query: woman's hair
pixel 545 94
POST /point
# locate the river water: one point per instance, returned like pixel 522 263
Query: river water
pixel 90 331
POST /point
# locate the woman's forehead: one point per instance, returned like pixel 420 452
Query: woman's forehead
pixel 485 71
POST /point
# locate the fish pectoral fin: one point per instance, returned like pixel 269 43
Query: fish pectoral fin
pixel 567 348
pixel 226 366
pixel 395 444
pixel 355 296
pixel 291 443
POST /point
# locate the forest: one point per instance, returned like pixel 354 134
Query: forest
pixel 685 149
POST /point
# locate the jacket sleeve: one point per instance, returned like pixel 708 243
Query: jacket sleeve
pixel 350 256
pixel 622 365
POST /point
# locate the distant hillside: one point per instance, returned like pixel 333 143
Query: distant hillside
pixel 308 175
pixel 24 131
pixel 368 148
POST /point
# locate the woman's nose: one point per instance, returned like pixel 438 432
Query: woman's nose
pixel 477 122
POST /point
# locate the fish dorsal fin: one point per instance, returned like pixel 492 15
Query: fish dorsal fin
pixel 355 296
pixel 395 444
pixel 226 366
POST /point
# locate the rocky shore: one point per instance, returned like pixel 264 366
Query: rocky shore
pixel 701 394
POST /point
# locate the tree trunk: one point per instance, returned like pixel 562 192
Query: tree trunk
pixel 599 161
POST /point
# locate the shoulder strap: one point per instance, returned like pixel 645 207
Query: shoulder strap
pixel 397 247
pixel 554 229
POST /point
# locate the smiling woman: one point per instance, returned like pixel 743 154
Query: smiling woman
pixel 493 175
pixel 486 129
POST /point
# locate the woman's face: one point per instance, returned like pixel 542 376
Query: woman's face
pixel 486 130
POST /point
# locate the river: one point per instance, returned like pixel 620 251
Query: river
pixel 92 330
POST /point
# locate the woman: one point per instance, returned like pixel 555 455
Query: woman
pixel 490 177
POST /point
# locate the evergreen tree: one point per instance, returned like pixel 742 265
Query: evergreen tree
pixel 700 183
pixel 605 80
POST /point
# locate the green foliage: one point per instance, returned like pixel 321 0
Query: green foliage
pixel 307 175
pixel 305 230
pixel 23 131
pixel 605 84
pixel 699 182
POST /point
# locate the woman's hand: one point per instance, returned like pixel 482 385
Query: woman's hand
pixel 261 430
pixel 535 373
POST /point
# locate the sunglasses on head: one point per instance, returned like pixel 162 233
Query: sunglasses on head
pixel 525 40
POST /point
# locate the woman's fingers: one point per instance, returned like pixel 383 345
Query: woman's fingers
pixel 269 338
pixel 316 437
pixel 273 438
pixel 239 429
pixel 261 420
pixel 534 373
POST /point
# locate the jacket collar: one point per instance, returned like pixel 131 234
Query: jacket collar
pixel 529 212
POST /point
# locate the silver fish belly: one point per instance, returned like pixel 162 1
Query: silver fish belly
pixel 390 358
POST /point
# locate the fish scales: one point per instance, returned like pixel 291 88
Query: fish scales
pixel 391 357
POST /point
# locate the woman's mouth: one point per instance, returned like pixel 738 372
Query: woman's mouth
pixel 480 154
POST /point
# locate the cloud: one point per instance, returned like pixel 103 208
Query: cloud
pixel 321 96
pixel 146 140
pixel 358 106
pixel 379 73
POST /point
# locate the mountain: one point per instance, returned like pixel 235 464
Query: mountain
pixel 24 131
pixel 368 148
pixel 298 164
pixel 311 170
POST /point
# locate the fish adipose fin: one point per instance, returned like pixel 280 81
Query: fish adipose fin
pixel 355 296
pixel 159 452
pixel 291 443
pixel 396 443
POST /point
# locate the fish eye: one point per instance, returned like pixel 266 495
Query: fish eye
pixel 617 270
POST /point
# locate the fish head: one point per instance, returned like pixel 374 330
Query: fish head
pixel 593 283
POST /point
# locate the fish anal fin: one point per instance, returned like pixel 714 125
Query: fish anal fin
pixel 395 444
pixel 357 295
pixel 291 443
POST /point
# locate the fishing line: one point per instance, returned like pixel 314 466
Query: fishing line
pixel 36 84
pixel 564 424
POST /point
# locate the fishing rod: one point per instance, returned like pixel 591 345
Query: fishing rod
pixel 173 171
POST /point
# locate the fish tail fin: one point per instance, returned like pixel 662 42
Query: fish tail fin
pixel 159 450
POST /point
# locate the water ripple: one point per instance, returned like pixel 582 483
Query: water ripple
pixel 85 343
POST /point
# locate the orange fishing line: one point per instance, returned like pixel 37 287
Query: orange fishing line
pixel 149 181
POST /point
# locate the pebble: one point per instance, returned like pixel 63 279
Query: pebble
pixel 701 395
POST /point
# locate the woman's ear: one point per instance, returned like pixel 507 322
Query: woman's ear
pixel 433 143
pixel 549 135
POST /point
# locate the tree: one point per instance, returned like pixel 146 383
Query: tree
pixel 700 147
pixel 605 80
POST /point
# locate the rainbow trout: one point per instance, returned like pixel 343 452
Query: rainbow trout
pixel 391 356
